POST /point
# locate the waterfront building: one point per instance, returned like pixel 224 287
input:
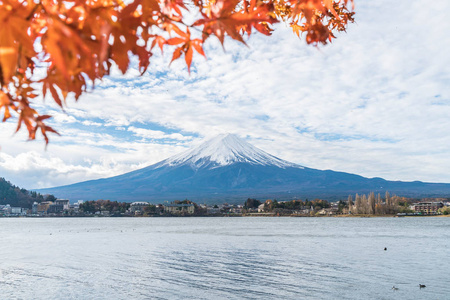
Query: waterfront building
pixel 76 206
pixel 6 210
pixel 261 208
pixel 210 210
pixel 16 211
pixel 428 207
pixel 327 211
pixel 179 208
pixel 55 208
pixel 64 202
pixel 43 207
pixel 34 208
pixel 138 207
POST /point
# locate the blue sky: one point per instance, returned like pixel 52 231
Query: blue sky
pixel 374 103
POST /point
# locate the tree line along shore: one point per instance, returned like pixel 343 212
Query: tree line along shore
pixel 15 201
pixel 358 206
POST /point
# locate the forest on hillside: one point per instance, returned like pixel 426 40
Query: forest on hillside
pixel 16 196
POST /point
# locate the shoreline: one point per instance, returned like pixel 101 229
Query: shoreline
pixel 229 216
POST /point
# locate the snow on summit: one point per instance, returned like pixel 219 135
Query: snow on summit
pixel 223 150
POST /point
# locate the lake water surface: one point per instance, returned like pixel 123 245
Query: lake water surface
pixel 224 258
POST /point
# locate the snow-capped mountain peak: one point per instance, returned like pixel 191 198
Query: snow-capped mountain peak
pixel 223 150
pixel 226 168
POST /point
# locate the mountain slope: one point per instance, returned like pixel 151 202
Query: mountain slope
pixel 230 169
pixel 224 150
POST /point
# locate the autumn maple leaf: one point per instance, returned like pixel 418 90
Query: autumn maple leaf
pixel 222 17
pixel 187 46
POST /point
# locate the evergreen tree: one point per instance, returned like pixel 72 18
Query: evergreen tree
pixel 15 196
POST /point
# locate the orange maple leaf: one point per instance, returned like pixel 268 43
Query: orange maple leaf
pixel 222 17
pixel 187 47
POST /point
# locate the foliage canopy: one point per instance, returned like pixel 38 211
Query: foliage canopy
pixel 76 42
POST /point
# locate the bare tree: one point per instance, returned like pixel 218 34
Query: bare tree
pixel 364 204
pixel 357 204
pixel 371 203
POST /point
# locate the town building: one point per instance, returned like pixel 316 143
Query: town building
pixel 179 208
pixel 261 208
pixel 76 206
pixel 64 202
pixel 138 207
pixel 34 208
pixel 55 208
pixel 327 211
pixel 6 210
pixel 212 210
pixel 43 207
pixel 428 207
pixel 16 211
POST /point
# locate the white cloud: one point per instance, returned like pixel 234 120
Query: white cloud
pixel 90 123
pixel 157 134
pixel 60 117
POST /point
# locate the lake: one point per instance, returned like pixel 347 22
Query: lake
pixel 224 258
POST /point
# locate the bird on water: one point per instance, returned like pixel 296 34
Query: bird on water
pixel 394 288
pixel 422 286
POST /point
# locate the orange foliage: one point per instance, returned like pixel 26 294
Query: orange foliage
pixel 77 42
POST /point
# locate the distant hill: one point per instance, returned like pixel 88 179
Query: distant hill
pixel 228 169
pixel 15 196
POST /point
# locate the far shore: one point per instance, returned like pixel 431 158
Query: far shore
pixel 335 216
pixel 255 215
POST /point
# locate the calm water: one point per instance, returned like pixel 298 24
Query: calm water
pixel 224 258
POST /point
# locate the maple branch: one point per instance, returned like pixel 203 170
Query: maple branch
pixel 33 11
pixel 81 40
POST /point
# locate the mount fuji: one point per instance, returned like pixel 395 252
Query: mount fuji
pixel 227 168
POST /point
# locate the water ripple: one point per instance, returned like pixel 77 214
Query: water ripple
pixel 224 258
